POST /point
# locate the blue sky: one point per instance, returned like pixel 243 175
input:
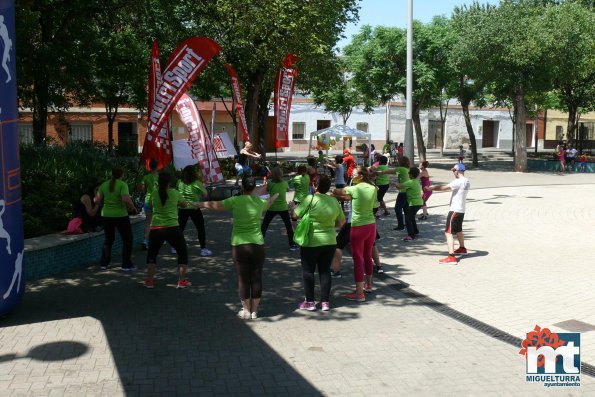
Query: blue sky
pixel 394 13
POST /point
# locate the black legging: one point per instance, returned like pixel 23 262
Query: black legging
pixel 311 257
pixel 174 236
pixel 401 208
pixel 410 221
pixel 197 219
pixel 268 217
pixel 249 260
pixel 125 229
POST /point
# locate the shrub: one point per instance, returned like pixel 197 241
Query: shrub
pixel 55 176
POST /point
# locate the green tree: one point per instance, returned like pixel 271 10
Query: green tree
pixel 515 45
pixel 571 59
pixel 256 36
pixel 54 47
pixel 469 65
pixel 340 95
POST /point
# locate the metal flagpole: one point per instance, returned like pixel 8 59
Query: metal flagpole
pixel 408 149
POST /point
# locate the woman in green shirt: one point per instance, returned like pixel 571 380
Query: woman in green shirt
pixel 301 183
pixel 165 227
pixel 401 203
pixel 412 188
pixel 192 190
pixel 325 215
pixel 363 196
pixel 247 243
pixel 113 195
pixel 149 184
pixel 277 185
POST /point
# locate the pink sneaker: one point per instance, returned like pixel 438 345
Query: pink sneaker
pixel 408 238
pixel 149 283
pixel 325 306
pixel 310 306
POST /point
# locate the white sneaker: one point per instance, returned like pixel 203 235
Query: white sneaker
pixel 244 314
pixel 253 316
pixel 205 252
pixel 173 250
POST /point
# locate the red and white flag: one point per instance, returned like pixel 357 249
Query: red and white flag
pixel 239 103
pixel 156 147
pixel 201 149
pixel 284 84
pixel 188 59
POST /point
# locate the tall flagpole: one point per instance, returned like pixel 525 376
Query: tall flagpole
pixel 408 149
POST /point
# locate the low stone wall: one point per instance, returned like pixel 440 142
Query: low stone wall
pixel 57 253
pixel 554 165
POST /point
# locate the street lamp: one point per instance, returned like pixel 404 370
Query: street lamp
pixel 408 149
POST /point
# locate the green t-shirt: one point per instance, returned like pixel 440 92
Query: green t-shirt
pixel 193 191
pixel 363 200
pixel 301 184
pixel 382 179
pixel 113 207
pixel 246 210
pixel 280 188
pixel 413 190
pixel 403 173
pixel 166 215
pixel 324 212
pixel 150 183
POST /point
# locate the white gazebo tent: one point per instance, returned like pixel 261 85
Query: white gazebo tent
pixel 341 131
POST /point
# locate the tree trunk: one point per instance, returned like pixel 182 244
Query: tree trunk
pixel 520 144
pixel 472 142
pixel 421 146
pixel 40 110
pixel 442 124
pixel 251 110
pixel 572 122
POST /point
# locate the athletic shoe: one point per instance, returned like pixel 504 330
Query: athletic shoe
pixel 145 245
pixel 325 306
pixel 149 283
pixel 379 269
pixel 246 315
pixel 408 238
pixel 354 296
pixel 103 267
pixel 293 247
pixel 386 214
pixel 206 252
pixel 336 274
pixel 253 315
pixel 129 268
pixel 423 218
pixel 184 283
pixel 173 250
pixel 305 305
pixel 449 260
pixel 461 251
pixel 399 228
pixel 368 288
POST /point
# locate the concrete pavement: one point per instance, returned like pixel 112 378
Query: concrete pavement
pixel 530 241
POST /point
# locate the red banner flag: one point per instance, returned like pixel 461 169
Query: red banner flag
pixel 284 84
pixel 188 59
pixel 156 147
pixel 237 95
pixel 202 150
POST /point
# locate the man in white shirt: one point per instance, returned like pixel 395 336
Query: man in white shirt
pixel 570 157
pixel 454 221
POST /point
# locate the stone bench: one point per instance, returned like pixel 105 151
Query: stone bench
pixel 58 253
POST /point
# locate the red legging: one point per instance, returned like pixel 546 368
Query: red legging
pixel 362 239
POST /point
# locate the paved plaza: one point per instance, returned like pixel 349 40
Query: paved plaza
pixel 427 330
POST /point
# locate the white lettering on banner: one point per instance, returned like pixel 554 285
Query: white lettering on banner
pixel 283 99
pixel 186 64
